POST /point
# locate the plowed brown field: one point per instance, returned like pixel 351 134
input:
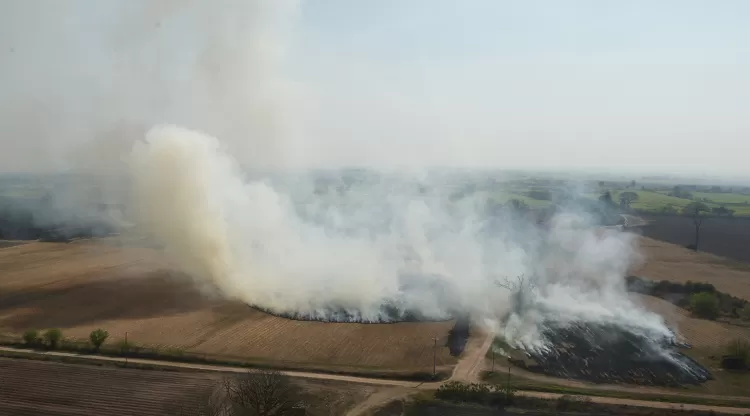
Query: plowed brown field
pixel 86 285
pixel 37 388
pixel 665 261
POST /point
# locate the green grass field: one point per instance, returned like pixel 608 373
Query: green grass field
pixel 503 197
pixel 723 198
pixel 655 201
pixel 647 200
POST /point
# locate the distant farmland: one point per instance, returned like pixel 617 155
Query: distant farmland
pixel 727 237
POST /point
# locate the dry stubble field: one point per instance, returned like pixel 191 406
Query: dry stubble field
pixel 81 286
pixel 665 261
pixel 700 333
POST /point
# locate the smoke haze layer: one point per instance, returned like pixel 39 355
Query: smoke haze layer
pixel 352 245
pixel 376 247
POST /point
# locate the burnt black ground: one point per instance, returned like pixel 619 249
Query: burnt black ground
pixel 608 353
pixel 726 237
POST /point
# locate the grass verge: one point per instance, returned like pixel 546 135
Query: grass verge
pixel 521 383
pixel 179 356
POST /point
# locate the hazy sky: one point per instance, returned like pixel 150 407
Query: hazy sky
pixel 627 85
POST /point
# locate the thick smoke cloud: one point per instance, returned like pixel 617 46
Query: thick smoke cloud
pixel 344 247
pixel 83 81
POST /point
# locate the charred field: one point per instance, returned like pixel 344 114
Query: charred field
pixel 726 237
pixel 609 353
pixel 393 311
pixel 390 310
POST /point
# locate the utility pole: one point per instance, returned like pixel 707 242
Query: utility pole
pixel 493 359
pixel 508 387
pixel 434 357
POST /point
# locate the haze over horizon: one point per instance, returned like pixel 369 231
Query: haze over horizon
pixel 630 86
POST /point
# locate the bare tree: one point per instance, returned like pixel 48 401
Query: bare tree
pixel 261 393
pixel 627 198
pixel 696 210
pixel 521 289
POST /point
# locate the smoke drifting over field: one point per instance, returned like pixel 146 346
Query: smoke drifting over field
pixel 371 246
pixel 339 245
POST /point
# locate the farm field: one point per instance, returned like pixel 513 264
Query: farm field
pixel 653 201
pixel 82 286
pixel 723 197
pixel 666 261
pixel 721 236
pixel 700 333
pixel 32 387
pixel 502 197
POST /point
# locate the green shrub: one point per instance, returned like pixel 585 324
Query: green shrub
pixel 705 305
pixel 52 337
pixel 31 337
pixel 97 337
pixel 691 287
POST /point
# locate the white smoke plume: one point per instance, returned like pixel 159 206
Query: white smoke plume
pixel 361 240
pixel 80 82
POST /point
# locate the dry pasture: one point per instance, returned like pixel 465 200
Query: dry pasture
pixel 81 286
pixel 666 261
pixel 700 333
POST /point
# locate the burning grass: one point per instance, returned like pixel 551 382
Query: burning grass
pixel 607 353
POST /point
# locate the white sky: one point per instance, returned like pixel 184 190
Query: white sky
pixel 630 85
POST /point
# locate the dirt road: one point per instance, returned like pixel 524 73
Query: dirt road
pixel 467 369
pixel 471 364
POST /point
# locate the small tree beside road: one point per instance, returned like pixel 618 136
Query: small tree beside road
pixel 31 338
pixel 261 393
pixel 97 337
pixel 53 337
